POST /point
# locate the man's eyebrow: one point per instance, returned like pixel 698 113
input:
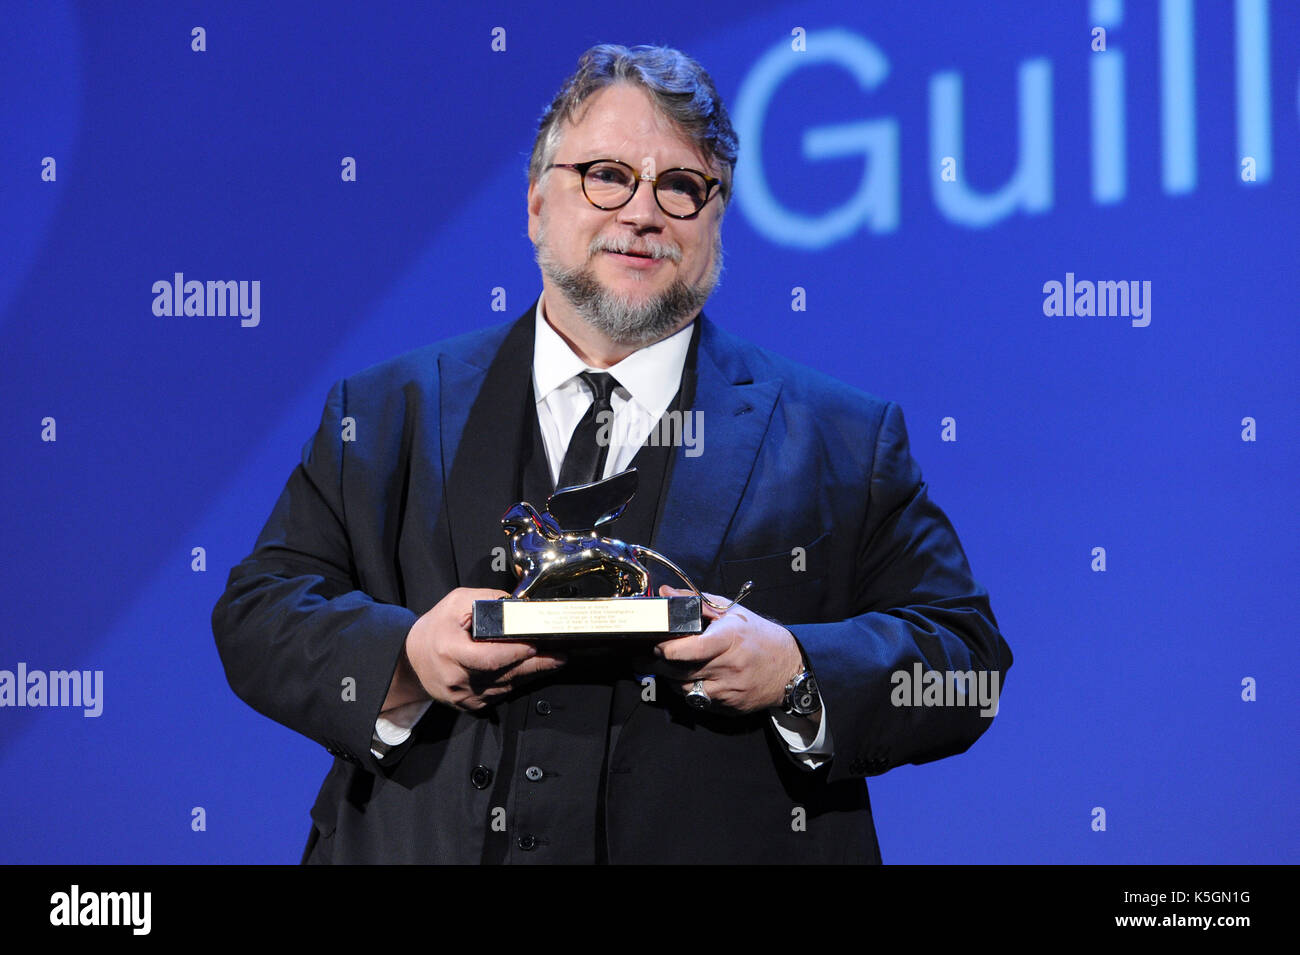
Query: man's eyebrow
pixel 688 164
pixel 610 153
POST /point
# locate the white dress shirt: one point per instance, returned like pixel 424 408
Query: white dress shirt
pixel 648 380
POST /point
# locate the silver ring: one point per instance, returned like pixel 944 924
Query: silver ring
pixel 697 697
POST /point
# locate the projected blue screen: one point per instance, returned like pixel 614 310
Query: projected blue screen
pixel 1069 255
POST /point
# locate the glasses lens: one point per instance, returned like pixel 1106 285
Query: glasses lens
pixel 681 192
pixel 608 184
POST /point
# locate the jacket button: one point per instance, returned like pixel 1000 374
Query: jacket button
pixel 543 708
pixel 481 777
pixel 534 773
pixel 527 842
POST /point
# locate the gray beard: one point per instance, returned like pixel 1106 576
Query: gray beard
pixel 624 322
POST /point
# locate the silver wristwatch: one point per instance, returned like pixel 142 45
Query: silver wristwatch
pixel 801 696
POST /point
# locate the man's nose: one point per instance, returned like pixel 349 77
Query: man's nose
pixel 643 210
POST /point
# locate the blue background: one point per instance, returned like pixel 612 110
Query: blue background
pixel 1073 432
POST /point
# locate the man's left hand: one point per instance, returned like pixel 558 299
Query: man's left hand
pixel 744 659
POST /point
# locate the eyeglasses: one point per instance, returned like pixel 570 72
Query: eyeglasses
pixel 609 184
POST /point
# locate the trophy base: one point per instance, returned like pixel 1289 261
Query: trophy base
pixel 588 620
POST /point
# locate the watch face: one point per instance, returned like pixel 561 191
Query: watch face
pixel 804 699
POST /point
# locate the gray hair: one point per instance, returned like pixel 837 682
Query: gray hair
pixel 679 87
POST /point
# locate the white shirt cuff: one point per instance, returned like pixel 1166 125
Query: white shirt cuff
pixel 808 739
pixel 393 728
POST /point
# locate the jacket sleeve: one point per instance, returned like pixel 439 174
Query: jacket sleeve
pixel 919 611
pixel 300 642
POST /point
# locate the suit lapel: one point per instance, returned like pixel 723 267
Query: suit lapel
pixel 704 491
pixel 733 413
pixel 484 413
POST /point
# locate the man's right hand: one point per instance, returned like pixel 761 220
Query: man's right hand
pixel 459 671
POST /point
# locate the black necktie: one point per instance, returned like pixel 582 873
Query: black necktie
pixel 584 462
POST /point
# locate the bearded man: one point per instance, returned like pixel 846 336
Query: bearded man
pixel 746 743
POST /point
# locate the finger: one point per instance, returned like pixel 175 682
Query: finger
pixel 712 607
pixel 672 671
pixel 486 684
pixel 491 656
pixel 681 650
pixel 480 680
pixel 724 629
pixel 698 648
pixel 541 663
pixel 483 593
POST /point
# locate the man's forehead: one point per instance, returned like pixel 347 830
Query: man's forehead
pixel 621 122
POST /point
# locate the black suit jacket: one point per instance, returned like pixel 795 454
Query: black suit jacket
pixel 804 485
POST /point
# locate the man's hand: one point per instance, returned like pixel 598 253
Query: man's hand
pixel 744 659
pixel 442 661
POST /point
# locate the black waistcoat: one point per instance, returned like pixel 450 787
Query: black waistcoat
pixel 559 730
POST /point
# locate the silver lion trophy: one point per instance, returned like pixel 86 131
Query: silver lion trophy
pixel 576 584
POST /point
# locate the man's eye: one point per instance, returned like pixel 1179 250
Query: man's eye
pixel 683 185
pixel 609 175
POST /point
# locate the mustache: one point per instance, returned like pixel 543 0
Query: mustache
pixel 643 246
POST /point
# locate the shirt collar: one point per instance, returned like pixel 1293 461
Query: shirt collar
pixel 651 374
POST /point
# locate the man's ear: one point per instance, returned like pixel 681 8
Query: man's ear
pixel 534 208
